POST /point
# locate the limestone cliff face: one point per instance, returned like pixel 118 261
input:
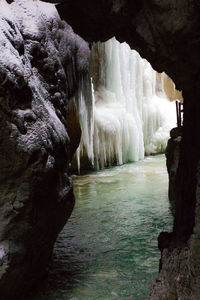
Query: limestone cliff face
pixel 41 64
pixel 166 33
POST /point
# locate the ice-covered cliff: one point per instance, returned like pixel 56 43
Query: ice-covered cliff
pixel 131 114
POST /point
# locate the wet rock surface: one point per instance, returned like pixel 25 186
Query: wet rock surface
pixel 42 62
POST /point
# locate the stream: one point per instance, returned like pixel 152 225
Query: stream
pixel 108 249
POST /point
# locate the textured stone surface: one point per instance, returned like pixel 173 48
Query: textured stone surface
pixel 41 63
pixel 165 32
pixel 179 276
pixel 175 278
pixel 172 156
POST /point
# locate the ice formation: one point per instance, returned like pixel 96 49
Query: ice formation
pixel 131 114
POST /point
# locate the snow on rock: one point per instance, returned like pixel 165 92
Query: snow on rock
pixel 42 62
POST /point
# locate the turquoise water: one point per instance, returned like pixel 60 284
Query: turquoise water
pixel 108 249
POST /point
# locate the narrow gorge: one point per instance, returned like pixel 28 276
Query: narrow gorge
pixel 47 97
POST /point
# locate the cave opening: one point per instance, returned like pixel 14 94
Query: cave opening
pixel 108 249
pixel 125 108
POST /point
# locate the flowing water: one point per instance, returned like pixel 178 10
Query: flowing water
pixel 108 249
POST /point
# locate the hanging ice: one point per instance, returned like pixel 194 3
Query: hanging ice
pixel 131 114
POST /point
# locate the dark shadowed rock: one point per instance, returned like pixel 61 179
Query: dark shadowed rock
pixel 173 156
pixel 164 32
pixel 41 64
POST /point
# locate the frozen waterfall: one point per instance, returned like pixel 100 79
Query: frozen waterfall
pixel 130 114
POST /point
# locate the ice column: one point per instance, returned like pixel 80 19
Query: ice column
pixel 131 115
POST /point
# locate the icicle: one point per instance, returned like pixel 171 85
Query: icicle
pixel 85 104
pixel 128 112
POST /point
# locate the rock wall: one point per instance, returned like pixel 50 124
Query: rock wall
pixel 172 162
pixel 41 64
pixel 164 32
pixel 179 274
